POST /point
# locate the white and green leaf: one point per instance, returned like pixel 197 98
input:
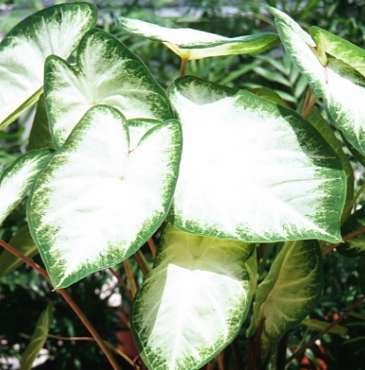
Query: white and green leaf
pixel 340 86
pixel 191 44
pixel 244 157
pixel 193 302
pixel 326 131
pixel 56 30
pixel 137 128
pixel 17 180
pixel 38 339
pixel 106 73
pixel 99 200
pixel 339 48
pixel 288 293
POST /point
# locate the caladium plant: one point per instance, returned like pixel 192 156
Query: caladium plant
pixel 212 173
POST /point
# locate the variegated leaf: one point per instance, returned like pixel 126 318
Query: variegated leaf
pixel 191 44
pixel 99 200
pixel 137 128
pixel 17 180
pixel 106 73
pixel 55 30
pixel 339 48
pixel 193 302
pixel 252 170
pixel 326 131
pixel 288 293
pixel 340 86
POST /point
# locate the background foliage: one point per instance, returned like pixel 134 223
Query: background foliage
pixel 23 294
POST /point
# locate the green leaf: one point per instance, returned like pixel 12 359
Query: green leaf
pixel 193 302
pixel 38 339
pixel 106 73
pixel 99 199
pixel 289 291
pixel 191 44
pixel 18 178
pixel 340 48
pixel 55 30
pixel 40 136
pixel 356 245
pixel 339 85
pixel 270 95
pixel 252 269
pixel 244 157
pixel 327 327
pixel 25 244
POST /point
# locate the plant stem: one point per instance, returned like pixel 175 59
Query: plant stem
pixel 130 277
pixel 90 339
pixel 354 234
pixel 152 246
pixel 220 361
pixel 142 264
pixel 346 238
pixel 73 305
pixel 88 325
pixel 183 65
pixel 309 102
pixel 331 325
pixel 254 351
pixel 351 204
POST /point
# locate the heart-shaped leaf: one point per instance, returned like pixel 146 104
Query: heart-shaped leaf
pixel 252 170
pixel 191 44
pixel 193 302
pixel 18 178
pixel 340 86
pixel 55 30
pixel 98 200
pixel 106 73
pixel 288 293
